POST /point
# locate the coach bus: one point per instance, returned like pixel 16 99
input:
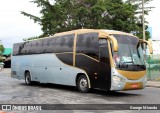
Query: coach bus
pixel 86 58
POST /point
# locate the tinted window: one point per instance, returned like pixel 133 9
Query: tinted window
pixel 48 45
pixel 65 43
pixel 16 49
pixel 103 51
pixel 87 43
pixel 104 54
pixel 22 48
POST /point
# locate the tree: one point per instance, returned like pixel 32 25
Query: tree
pixel 137 4
pixel 66 15
pixel 1 49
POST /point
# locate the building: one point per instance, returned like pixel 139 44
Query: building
pixel 7 54
pixel 155 46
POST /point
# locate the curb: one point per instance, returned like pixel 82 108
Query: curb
pixel 153 86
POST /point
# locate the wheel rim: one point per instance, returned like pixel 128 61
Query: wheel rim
pixel 27 79
pixel 83 84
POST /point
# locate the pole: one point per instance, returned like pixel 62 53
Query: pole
pixel 143 20
pixel 143 28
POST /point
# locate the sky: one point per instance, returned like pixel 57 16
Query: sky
pixel 14 27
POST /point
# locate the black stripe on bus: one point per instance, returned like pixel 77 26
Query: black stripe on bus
pixel 98 72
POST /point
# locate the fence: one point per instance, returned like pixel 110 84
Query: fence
pixel 153 67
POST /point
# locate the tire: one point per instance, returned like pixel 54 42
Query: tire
pixel 28 79
pixel 82 84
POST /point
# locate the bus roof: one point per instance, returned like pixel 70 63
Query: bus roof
pixel 79 31
pixel 109 32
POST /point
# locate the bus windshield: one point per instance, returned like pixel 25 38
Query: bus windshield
pixel 129 55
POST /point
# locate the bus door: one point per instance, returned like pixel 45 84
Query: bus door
pixel 104 75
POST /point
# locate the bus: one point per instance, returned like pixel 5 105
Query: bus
pixel 85 58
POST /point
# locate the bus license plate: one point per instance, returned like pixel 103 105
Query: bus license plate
pixel 134 85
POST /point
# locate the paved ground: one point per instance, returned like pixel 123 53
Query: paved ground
pixel 155 84
pixel 14 91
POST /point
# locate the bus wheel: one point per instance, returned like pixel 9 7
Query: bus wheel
pixel 82 84
pixel 28 78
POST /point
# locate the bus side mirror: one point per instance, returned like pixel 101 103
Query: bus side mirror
pixel 114 42
pixel 112 39
pixel 149 45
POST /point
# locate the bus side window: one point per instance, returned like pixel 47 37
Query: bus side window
pixel 22 48
pixel 87 43
pixel 80 40
pixel 79 43
pixel 40 47
pixel 92 44
pixel 104 54
pixel 27 45
pixel 62 41
pixel 16 49
pixel 30 47
pixel 32 50
pixel 45 45
pixel 43 49
pixel 48 45
pixel 56 44
pixel 35 47
pixel 70 43
pixel 48 42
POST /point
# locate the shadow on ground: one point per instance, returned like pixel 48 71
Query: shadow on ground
pixel 92 91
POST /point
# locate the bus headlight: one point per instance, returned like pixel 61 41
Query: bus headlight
pixel 118 79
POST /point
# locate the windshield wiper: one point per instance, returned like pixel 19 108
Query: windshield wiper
pixel 141 66
pixel 124 65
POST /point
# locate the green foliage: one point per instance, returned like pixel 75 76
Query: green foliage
pixel 33 38
pixel 1 49
pixel 137 4
pixel 65 15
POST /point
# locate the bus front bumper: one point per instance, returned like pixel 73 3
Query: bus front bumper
pixel 128 84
